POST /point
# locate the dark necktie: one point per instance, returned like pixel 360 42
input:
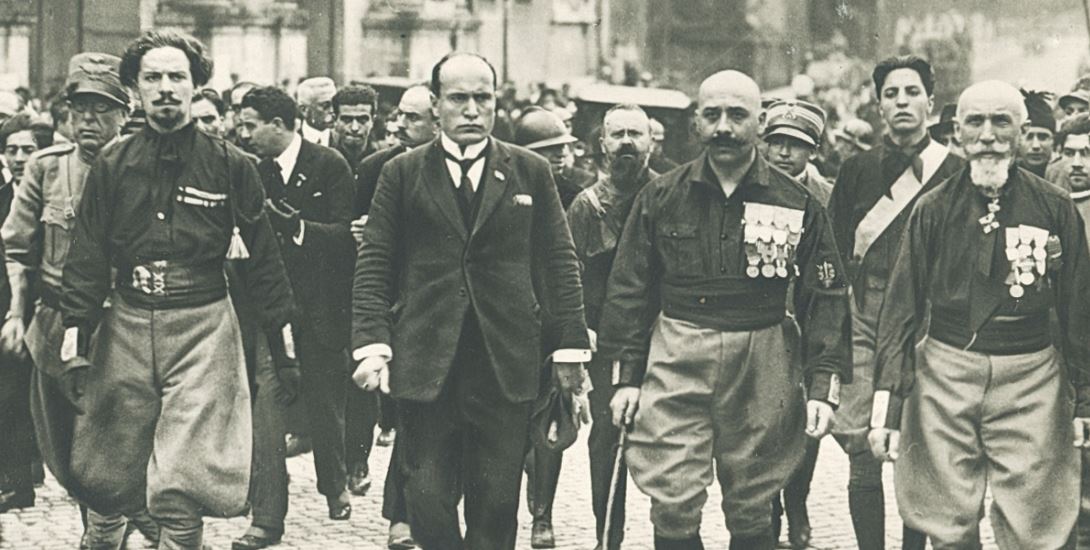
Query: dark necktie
pixel 465 184
pixel 278 172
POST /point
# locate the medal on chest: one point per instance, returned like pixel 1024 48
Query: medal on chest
pixel 771 235
pixel 1028 252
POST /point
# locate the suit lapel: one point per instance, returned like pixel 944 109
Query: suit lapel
pixel 495 184
pixel 436 180
pixel 299 172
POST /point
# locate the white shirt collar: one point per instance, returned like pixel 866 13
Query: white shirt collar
pixel 286 159
pixel 472 151
pixel 455 150
pixel 314 135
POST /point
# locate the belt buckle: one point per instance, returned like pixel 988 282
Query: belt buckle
pixel 150 278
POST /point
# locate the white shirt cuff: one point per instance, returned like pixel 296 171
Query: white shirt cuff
pixel 372 350
pixel 298 237
pixel 571 356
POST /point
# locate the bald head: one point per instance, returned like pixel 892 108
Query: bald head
pixel 416 98
pixel 728 118
pixel 992 96
pixel 730 83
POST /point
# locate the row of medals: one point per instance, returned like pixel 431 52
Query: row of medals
pixel 771 234
pixel 1027 254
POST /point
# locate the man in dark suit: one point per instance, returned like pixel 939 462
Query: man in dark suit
pixel 467 236
pixel 309 189
pixel 415 125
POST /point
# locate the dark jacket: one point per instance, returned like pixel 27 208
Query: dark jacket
pixel 517 258
pixel 367 177
pixel 321 187
pixel 949 265
pixel 864 179
pixel 683 254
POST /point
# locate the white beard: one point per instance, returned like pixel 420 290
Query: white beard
pixel 990 173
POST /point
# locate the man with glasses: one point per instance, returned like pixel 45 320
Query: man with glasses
pixel 207 111
pixel 36 236
pixel 354 109
pixel 315 99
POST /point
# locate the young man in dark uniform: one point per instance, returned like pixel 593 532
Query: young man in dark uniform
pixel 164 209
pixel 871 200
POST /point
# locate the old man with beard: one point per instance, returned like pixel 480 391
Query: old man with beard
pixel 596 218
pixel 983 401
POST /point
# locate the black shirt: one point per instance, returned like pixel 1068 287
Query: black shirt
pixel 134 211
pixel 948 262
pixel 682 252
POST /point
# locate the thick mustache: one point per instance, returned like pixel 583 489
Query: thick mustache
pixel 727 141
pixel 166 100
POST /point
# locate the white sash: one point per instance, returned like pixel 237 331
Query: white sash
pixel 900 195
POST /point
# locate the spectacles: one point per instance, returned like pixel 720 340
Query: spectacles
pixel 207 119
pixel 359 119
pixel 82 105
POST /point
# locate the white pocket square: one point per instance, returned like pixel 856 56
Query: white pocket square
pixel 524 200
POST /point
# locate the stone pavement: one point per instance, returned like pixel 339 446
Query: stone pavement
pixel 54 523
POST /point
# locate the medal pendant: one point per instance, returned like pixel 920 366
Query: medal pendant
pixel 1026 278
pixel 1039 253
pixel 1017 291
pixel 1024 251
pixel 753 272
pixel 781 272
pixel 768 271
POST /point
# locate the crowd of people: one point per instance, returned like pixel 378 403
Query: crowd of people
pixel 201 284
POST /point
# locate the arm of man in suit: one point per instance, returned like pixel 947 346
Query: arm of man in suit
pixel 563 289
pixel 340 194
pixel 373 283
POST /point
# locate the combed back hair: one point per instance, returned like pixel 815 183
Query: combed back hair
pixel 913 62
pixel 212 97
pixel 355 94
pixel 271 102
pixel 1076 125
pixel 435 84
pixel 200 65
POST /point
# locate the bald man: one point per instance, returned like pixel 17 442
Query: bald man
pixel 695 324
pixel 315 99
pixel 467 237
pixel 986 400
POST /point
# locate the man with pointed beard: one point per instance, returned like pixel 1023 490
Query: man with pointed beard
pixel 596 218
pixel 986 402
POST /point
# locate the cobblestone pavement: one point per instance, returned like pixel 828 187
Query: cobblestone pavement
pixel 54 523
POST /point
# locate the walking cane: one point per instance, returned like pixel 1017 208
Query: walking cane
pixel 615 475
